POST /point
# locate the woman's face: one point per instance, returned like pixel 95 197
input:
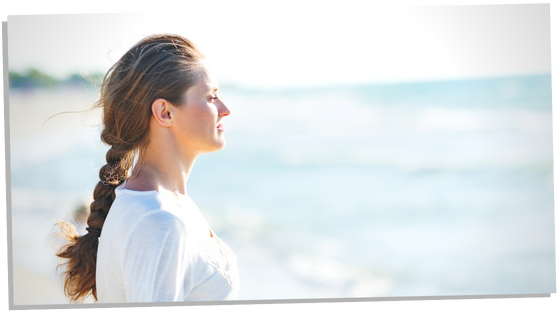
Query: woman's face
pixel 199 127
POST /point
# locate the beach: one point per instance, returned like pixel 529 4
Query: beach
pixel 438 188
pixel 34 288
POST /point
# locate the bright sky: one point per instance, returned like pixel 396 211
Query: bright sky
pixel 275 46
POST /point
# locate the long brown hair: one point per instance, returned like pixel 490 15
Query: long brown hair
pixel 159 66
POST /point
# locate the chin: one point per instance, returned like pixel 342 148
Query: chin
pixel 217 146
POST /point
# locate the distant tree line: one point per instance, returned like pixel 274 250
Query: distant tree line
pixel 34 78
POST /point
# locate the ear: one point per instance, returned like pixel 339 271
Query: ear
pixel 161 112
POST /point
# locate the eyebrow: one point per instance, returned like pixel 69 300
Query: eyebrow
pixel 212 88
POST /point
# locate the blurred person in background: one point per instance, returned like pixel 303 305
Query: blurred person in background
pixel 81 215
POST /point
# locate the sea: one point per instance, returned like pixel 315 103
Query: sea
pixel 436 188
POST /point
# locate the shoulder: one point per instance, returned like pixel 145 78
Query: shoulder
pixel 133 205
pixel 142 213
pixel 136 200
pixel 155 231
pixel 160 219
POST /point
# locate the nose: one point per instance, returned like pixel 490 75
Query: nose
pixel 223 110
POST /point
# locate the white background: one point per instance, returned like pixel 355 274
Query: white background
pixel 313 43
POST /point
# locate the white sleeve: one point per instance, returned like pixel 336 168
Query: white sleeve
pixel 155 260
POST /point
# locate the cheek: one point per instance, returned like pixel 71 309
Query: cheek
pixel 208 114
pixel 203 118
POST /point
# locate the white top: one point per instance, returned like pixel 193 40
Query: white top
pixel 153 248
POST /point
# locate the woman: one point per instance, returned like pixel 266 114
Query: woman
pixel 147 241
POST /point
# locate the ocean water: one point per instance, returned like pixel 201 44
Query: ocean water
pixel 418 189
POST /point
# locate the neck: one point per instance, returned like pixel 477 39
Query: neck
pixel 160 168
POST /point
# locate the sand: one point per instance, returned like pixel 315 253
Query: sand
pixel 33 288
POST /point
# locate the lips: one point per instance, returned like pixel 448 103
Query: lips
pixel 220 126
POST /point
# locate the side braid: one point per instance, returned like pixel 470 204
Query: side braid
pixel 111 175
pixel 80 271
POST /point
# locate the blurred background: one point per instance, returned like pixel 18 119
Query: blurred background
pixel 396 152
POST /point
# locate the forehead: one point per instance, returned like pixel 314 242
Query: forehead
pixel 204 85
pixel 210 86
pixel 208 79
